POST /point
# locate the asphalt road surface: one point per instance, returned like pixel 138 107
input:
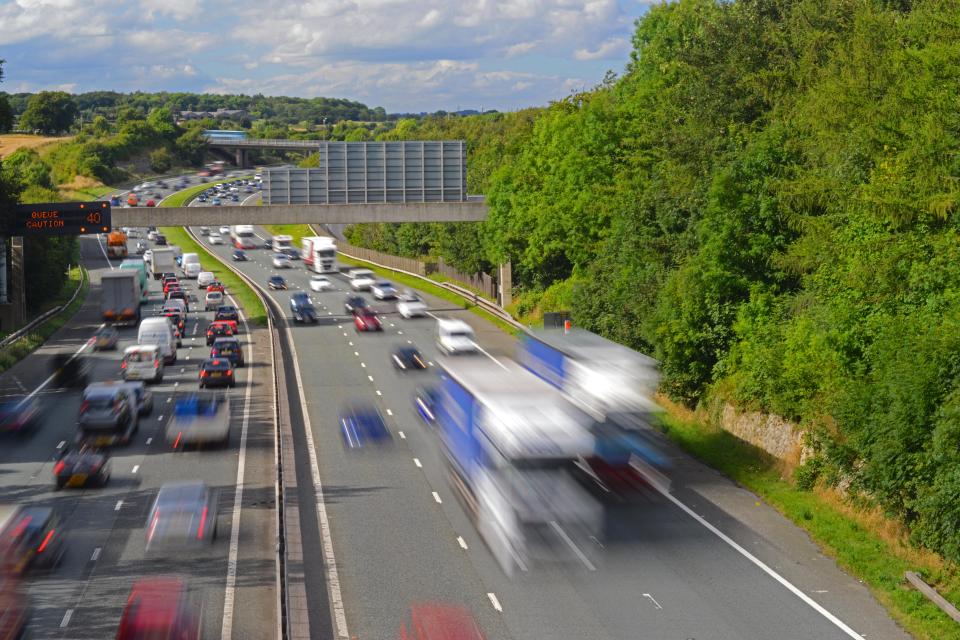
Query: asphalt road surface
pixel 84 596
pixel 401 537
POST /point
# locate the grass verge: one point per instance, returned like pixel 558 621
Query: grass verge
pixel 855 538
pixel 252 306
pixel 27 344
pixel 296 231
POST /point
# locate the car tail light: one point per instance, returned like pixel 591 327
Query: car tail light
pixel 57 468
pixel 84 406
pixel 156 364
pixel 123 364
pixel 46 541
pixel 203 523
pixel 229 372
pixel 204 373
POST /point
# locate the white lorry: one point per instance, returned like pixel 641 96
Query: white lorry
pixel 319 254
pixel 162 261
pixel 120 297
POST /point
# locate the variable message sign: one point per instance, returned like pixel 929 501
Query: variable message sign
pixel 59 219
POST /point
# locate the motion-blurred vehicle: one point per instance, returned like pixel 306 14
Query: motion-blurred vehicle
pixel 383 290
pixel 183 513
pixel 159 608
pixel 224 230
pixel 191 270
pixel 109 414
pixel 200 418
pixel 407 358
pixel 291 253
pixel 142 362
pixel 204 231
pixel 268 243
pixel 82 467
pixel 281 261
pixel 31 537
pixel 70 370
pixel 215 238
pixel 229 313
pixel 301 306
pixel 424 401
pixel 455 337
pixel 361 279
pixel 152 235
pixel 216 202
pixel 204 278
pixel 202 198
pixel 14 605
pixel 362 425
pixel 239 255
pixel 117 244
pixel 228 348
pixel 410 305
pixel 511 442
pixel 218 330
pixel 366 319
pixel 147 256
pixel 354 303
pixel 216 285
pixel 141 248
pixel 114 201
pixel 151 203
pixel 217 372
pixel 320 283
pixel 277 282
pixel 160 332
pixel 105 338
pixel 437 621
pixel 20 416
pixel 133 200
pixel 161 240
pixel 212 300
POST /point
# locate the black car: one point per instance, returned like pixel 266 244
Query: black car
pixel 408 358
pixel 35 539
pixel 302 308
pixel 239 255
pixel 277 282
pixel 354 303
pixel 227 312
pixel 161 240
pixel 82 467
pixel 291 253
pixel 268 243
pixel 228 348
pixel 217 372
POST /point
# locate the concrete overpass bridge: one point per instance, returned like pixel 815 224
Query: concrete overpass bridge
pixel 241 147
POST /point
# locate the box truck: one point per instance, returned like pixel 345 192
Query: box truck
pixel 120 297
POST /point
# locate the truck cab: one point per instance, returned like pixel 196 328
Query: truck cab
pixel 455 337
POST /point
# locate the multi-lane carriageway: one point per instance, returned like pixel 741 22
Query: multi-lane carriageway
pixel 708 562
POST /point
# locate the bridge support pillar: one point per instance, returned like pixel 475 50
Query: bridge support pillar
pixel 241 155
pixel 505 284
pixel 13 302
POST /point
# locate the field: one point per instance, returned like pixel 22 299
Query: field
pixel 10 142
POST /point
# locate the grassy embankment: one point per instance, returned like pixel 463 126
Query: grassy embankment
pixel 298 231
pixel 23 347
pixel 864 543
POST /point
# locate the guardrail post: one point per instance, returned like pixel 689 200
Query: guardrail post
pixel 505 284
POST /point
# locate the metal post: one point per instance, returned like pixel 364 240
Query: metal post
pixel 506 284
pixel 18 295
pixel 3 271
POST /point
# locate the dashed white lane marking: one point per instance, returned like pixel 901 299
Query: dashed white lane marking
pixel 119 504
pixel 416 461
pixel 66 618
pixel 344 334
pixel 495 602
pixel 62 444
pixel 389 412
pixel 462 542
pixel 169 400
pixel 160 418
pixel 378 392
pixel 176 384
pixel 96 555
pixel 370 378
pixel 149 440
pixel 399 333
pixel 402 436
pixel 136 468
pixel 436 496
pixel 182 369
pixel 351 344
pixel 363 364
pixel 356 353
pixel 409 341
pixel 655 603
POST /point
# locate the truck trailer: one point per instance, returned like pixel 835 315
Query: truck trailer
pixel 512 443
pixel 117 244
pixel 140 267
pixel 319 254
pixel 612 383
pixel 162 261
pixel 120 297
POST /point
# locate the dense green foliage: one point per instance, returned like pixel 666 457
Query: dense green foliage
pixel 49 112
pixel 767 201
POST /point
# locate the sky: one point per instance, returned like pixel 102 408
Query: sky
pixel 402 55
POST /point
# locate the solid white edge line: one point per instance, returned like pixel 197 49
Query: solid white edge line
pixel 763 567
pixel 495 602
pixel 66 618
pixel 229 594
pixel 104 251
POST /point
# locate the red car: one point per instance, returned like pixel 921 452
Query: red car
pixel 219 329
pixel 216 285
pixel 366 319
pixel 170 284
pixel 440 622
pixel 151 203
pixel 159 608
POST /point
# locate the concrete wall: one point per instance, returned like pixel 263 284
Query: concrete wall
pixel 470 211
pixel 776 435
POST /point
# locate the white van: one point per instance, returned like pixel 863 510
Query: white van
pixel 189 258
pixel 191 270
pixel 213 301
pixel 158 331
pixel 455 337
pixel 142 362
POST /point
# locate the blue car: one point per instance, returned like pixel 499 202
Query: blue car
pixel 277 282
pixel 239 255
pixel 362 426
pixel 424 401
pixel 216 202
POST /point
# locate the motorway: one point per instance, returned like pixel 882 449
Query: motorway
pixel 105 528
pixel 401 537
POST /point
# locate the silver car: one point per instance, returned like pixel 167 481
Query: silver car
pixel 183 513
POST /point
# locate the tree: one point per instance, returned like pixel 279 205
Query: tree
pixel 191 146
pixel 161 160
pixel 49 112
pixel 6 112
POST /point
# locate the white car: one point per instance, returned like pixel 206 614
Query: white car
pixel 213 301
pixel 383 290
pixel 215 238
pixel 205 279
pixel 320 283
pixel 281 261
pixel 410 305
pixel 455 337
pixel 148 255
pixel 204 231
pixel 361 279
pixel 224 230
pixel 152 236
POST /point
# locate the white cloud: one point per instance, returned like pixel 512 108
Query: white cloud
pixel 608 49
pixel 177 9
